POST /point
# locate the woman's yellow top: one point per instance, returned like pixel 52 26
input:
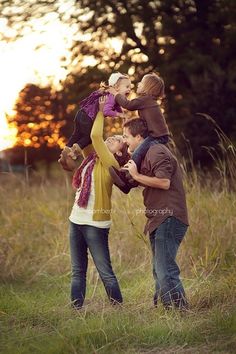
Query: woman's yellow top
pixel 102 179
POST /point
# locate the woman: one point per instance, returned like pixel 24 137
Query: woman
pixel 90 216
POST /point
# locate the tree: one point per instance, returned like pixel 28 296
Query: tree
pixel 201 74
pixel 39 118
pixel 189 42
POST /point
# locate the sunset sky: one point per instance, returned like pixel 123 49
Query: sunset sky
pixel 35 58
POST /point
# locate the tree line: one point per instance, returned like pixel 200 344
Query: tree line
pixel 190 43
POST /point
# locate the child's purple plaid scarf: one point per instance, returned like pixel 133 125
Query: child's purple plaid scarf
pixel 87 180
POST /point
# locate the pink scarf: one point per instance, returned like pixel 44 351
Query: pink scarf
pixel 87 180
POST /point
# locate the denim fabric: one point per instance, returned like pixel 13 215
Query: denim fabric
pixel 165 242
pixel 140 152
pixel 82 238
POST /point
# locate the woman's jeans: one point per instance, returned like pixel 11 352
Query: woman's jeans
pixel 165 242
pixel 82 238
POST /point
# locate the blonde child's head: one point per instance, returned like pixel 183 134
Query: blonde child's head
pixel 120 82
pixel 152 85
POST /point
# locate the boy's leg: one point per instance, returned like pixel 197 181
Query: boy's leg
pixel 140 152
pixel 119 179
pixel 122 179
pixel 137 157
pixel 162 139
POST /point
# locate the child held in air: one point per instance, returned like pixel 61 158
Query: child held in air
pixel 149 90
pixel 84 118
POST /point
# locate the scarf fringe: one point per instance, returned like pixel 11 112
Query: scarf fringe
pixel 87 180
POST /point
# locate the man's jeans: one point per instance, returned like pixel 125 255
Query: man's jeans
pixel 165 241
pixel 82 238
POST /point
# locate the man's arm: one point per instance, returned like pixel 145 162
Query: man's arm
pixel 154 182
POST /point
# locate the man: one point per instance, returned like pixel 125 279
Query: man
pixel 166 210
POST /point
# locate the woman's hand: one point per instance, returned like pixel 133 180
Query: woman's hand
pixel 102 101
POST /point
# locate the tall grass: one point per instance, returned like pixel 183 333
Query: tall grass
pixel 34 228
pixel 35 272
pixel 223 155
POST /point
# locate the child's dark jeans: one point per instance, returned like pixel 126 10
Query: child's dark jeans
pixel 140 152
pixel 82 129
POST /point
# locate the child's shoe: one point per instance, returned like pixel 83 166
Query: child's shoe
pixel 66 160
pixel 64 153
pixel 75 151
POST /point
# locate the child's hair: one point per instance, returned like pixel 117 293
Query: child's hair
pixel 113 80
pixel 154 86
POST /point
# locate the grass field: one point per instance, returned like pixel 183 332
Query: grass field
pixel 35 311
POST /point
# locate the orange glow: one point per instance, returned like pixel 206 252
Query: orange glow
pixel 36 59
pixel 22 63
pixel 7 134
pixel 27 142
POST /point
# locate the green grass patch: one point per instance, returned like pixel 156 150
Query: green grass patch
pixel 35 312
pixel 37 318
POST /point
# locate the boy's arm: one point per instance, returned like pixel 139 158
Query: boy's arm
pixel 109 105
pixel 99 145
